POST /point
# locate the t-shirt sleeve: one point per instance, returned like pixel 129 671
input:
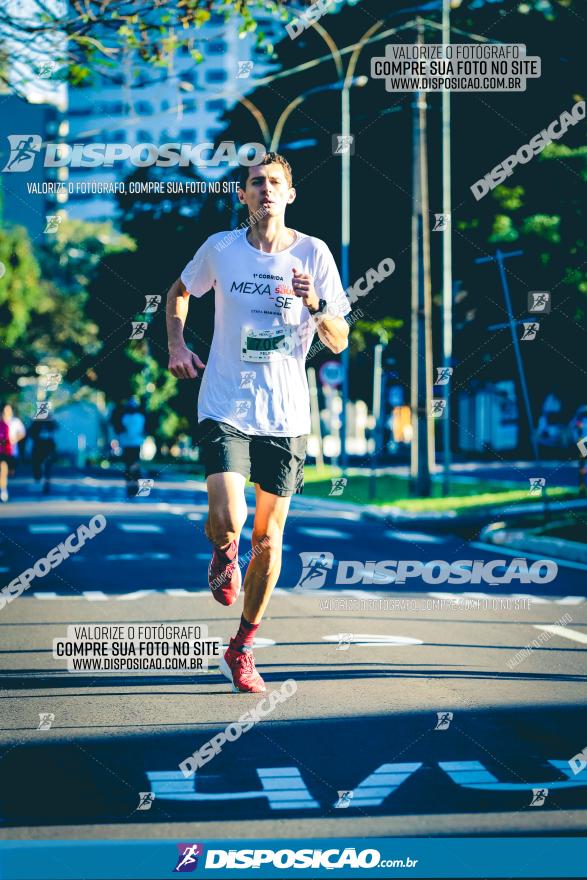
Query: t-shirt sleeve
pixel 328 284
pixel 198 275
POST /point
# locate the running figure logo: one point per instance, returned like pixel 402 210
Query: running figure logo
pixel 338 484
pixel 344 641
pixel 437 407
pixel 50 381
pixel 443 375
pixel 539 795
pixel 344 800
pixel 144 488
pixel 138 329
pixel 537 484
pixel 244 69
pixel 343 144
pixel 23 150
pixel 152 303
pixel 530 331
pixel 242 408
pixel 43 409
pixel 45 70
pixel 315 567
pixel 45 720
pixel 444 719
pixel 52 223
pixel 441 222
pixel 188 856
pixel 146 799
pixel 539 301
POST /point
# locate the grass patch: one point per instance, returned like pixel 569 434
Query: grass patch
pixel 391 489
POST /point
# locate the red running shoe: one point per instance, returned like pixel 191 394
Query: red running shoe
pixel 224 575
pixel 239 667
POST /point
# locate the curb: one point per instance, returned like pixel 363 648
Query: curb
pixel 450 519
pixel 528 541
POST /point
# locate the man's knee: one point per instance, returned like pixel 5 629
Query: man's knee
pixel 267 541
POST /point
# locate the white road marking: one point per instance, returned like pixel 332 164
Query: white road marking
pixel 365 640
pixel 180 592
pixel 128 557
pixel 48 528
pixel 316 532
pixel 138 594
pixel 415 537
pixel 564 632
pixel 140 527
pixel 498 550
pixel 259 643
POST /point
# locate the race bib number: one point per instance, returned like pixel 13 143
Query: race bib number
pixel 267 345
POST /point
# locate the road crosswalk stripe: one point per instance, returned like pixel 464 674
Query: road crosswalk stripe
pixel 564 632
pixel 415 537
pixel 140 527
pixel 317 532
pixel 48 528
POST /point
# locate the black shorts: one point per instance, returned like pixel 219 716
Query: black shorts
pixel 9 459
pixel 275 463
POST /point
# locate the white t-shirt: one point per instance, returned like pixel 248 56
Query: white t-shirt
pixel 255 378
pixel 16 432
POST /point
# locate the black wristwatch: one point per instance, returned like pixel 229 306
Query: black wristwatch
pixel 320 309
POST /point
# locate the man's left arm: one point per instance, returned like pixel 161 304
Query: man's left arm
pixel 333 331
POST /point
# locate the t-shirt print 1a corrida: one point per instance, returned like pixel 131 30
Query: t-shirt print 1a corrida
pixel 255 377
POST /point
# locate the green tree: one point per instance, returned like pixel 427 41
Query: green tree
pixel 88 40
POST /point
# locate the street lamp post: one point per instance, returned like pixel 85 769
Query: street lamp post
pixel 447 286
pixel 345 231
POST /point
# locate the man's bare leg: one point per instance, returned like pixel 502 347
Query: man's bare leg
pixel 227 512
pixel 238 664
pixel 4 480
pixel 265 565
pixel 227 508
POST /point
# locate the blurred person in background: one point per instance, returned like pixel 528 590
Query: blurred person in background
pixel 42 434
pixel 12 431
pixel 129 424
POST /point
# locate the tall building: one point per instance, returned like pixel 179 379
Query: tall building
pixel 24 200
pixel 143 104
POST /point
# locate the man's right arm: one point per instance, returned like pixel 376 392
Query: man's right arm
pixel 183 363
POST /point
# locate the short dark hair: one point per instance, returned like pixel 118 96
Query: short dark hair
pixel 269 158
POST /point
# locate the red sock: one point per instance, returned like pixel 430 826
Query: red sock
pixel 245 635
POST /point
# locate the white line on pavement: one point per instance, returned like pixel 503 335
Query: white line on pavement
pixel 48 528
pixel 367 640
pixel 128 557
pixel 564 632
pixel 316 532
pixel 415 537
pixel 139 527
pixel 498 549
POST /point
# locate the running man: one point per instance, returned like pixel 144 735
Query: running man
pixel 273 288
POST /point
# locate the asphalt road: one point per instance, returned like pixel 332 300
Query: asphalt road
pixel 371 678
